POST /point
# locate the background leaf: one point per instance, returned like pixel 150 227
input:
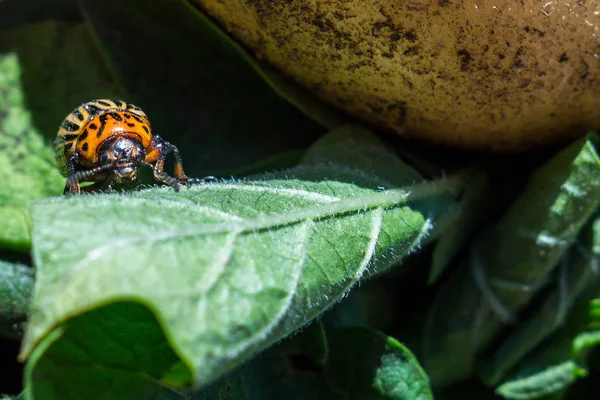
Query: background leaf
pixel 511 261
pixel 555 365
pixel 16 283
pixel 363 364
pixel 578 274
pixel 26 161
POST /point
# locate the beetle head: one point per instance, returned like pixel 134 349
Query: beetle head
pixel 125 155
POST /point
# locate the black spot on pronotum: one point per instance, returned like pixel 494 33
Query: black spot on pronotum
pixel 103 119
pixel 146 128
pixel 116 116
pixel 138 119
pixel 78 115
pixel 83 134
pixel 127 116
pixel 69 126
pixel 129 124
pixel 93 127
pixel 85 146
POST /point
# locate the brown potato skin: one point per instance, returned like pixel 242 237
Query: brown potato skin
pixel 491 75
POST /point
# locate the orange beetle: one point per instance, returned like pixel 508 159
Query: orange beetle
pixel 107 141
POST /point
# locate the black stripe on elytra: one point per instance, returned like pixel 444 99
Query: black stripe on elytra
pixel 69 126
pixel 103 119
pixel 138 119
pixel 104 103
pixel 133 107
pixel 119 103
pixel 78 115
pixel 69 137
pixel 115 116
pixel 93 110
pixel 83 134
pixel 127 116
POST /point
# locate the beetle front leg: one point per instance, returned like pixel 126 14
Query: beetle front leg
pixel 158 155
pixel 178 168
pixel 161 176
pixel 73 187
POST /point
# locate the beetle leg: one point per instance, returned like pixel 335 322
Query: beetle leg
pixel 161 149
pixel 74 179
pixel 74 186
pixel 178 167
pixel 161 176
pixel 164 148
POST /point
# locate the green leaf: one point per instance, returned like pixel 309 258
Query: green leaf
pixel 227 268
pixel 367 365
pixel 352 154
pixel 208 99
pixel 16 287
pixel 559 362
pixel 102 355
pixel 363 364
pixel 511 261
pixel 46 69
pixel 19 397
pixel 545 383
pixel 578 274
pixel 26 161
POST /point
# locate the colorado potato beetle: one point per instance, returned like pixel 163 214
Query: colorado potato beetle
pixel 105 141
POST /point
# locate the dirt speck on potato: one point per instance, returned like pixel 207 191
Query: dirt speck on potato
pixel 495 75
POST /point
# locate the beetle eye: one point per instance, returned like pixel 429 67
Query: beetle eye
pixel 103 158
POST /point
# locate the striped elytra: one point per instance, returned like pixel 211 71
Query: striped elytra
pixel 90 124
pixel 106 142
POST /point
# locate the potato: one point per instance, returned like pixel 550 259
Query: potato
pixel 493 75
